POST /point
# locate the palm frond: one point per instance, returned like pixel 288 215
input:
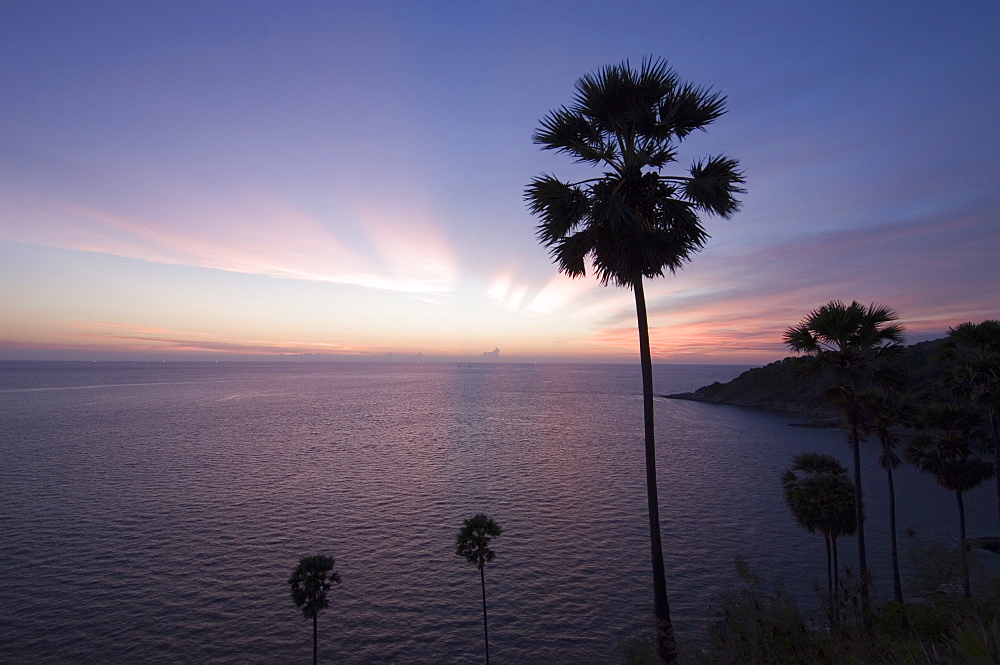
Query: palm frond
pixel 800 338
pixel 679 232
pixel 569 133
pixel 811 463
pixel 983 335
pixel 618 100
pixel 876 327
pixel 570 253
pixel 560 206
pixel 689 108
pixel 714 184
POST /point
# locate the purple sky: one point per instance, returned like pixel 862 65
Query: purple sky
pixel 228 179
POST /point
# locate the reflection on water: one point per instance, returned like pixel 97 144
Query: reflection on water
pixel 156 515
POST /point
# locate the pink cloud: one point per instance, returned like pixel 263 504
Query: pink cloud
pixel 935 272
pixel 257 233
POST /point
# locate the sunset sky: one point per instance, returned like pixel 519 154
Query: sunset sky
pixel 213 180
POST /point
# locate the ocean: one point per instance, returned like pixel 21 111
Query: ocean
pixel 153 512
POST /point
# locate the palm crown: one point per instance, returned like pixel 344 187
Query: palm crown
pixel 632 221
pixel 845 331
pixel 944 448
pixel 854 340
pixel 820 494
pixel 310 582
pixel 473 541
pixel 973 353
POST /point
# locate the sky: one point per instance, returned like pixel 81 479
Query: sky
pixel 345 180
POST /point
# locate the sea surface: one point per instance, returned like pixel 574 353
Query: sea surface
pixel 153 512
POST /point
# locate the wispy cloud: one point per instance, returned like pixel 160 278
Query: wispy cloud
pixel 95 335
pixel 559 292
pixel 936 272
pixel 504 291
pixel 159 343
pixel 411 248
pixel 254 233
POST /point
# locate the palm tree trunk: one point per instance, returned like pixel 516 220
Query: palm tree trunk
pixel 966 587
pixel 836 583
pixel 665 640
pixel 859 513
pixel 315 642
pixel 486 634
pixel 897 588
pixel 829 575
pixel 994 423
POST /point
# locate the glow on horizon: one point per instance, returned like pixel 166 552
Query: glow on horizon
pixel 260 184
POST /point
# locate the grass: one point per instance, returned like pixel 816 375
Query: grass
pixel 759 623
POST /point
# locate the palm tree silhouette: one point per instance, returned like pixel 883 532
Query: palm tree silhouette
pixel 632 222
pixel 473 543
pixel 972 351
pixel 311 580
pixel 821 497
pixel 856 343
pixel 884 415
pixel 944 449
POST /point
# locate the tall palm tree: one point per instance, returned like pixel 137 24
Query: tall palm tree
pixel 972 351
pixel 473 543
pixel 821 498
pixel 856 343
pixel 944 449
pixel 311 580
pixel 884 414
pixel 633 222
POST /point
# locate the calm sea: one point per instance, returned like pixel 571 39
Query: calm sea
pixel 152 513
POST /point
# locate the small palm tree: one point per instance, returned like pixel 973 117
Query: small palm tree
pixel 972 351
pixel 311 580
pixel 944 449
pixel 473 543
pixel 821 498
pixel 633 222
pixel 858 344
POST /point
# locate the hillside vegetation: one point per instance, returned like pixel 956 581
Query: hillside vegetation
pixel 780 387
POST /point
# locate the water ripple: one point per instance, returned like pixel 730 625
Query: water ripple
pixel 156 516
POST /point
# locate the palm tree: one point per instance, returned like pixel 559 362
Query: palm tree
pixel 473 543
pixel 632 221
pixel 856 343
pixel 973 352
pixel 821 498
pixel 884 414
pixel 944 449
pixel 311 580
